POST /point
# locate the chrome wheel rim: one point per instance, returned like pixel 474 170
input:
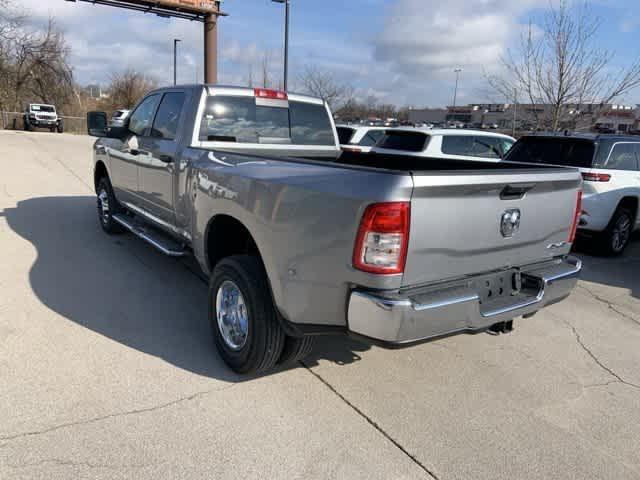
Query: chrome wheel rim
pixel 232 316
pixel 103 206
pixel 621 233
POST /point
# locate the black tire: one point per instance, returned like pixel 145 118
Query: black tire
pixel 27 126
pixel 296 349
pixel 614 240
pixel 52 129
pixel 264 339
pixel 105 216
pixel 60 128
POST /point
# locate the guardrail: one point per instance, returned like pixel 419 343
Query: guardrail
pixel 14 121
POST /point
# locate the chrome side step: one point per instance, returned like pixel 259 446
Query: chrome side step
pixel 157 239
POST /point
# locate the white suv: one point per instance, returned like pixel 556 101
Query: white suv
pixel 451 144
pixel 610 167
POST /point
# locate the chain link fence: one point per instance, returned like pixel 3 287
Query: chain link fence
pixel 15 121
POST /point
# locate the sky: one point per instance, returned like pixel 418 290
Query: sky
pixel 398 51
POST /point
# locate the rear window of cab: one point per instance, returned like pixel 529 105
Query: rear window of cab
pixel 243 120
pixel 403 141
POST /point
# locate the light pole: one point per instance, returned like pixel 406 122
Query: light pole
pixel 515 111
pixel 286 41
pixel 175 60
pixel 455 90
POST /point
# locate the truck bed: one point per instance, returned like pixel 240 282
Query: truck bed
pixel 409 163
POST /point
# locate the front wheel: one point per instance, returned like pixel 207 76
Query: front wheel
pixel 244 321
pixel 60 128
pixel 616 237
pixel 107 206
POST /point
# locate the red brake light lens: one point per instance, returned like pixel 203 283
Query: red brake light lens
pixel 576 218
pixel 271 94
pixel 383 238
pixel 595 177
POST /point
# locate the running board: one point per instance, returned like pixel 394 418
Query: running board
pixel 157 239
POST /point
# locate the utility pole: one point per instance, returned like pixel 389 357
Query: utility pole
pixel 286 41
pixel 515 111
pixel 175 60
pixel 455 91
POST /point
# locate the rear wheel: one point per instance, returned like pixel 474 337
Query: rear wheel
pixel 243 319
pixel 107 206
pixel 296 349
pixel 616 237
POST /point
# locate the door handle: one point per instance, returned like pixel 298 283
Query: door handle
pixel 515 192
pixel 165 158
pixel 135 152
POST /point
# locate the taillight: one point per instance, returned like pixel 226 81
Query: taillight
pixel 576 218
pixel 383 238
pixel 596 177
pixel 272 94
pixel 352 149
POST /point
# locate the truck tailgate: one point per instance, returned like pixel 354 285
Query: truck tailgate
pixel 457 221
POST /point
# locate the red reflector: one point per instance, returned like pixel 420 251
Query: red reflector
pixel 383 238
pixel 273 94
pixel 596 177
pixel 352 149
pixel 576 218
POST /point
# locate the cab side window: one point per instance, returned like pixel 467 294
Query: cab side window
pixel 624 156
pixel 165 124
pixel 457 144
pixel 143 115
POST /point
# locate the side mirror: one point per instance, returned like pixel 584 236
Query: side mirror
pixel 97 124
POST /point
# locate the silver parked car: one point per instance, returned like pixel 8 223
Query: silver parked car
pixel 118 117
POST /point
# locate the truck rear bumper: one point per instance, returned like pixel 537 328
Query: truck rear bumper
pixel 467 306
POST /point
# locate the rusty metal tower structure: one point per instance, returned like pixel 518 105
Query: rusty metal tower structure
pixel 204 11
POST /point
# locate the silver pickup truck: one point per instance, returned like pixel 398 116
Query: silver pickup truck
pixel 300 240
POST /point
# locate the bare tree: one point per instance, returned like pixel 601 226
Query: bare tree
pixel 42 71
pixel 560 64
pixel 250 77
pixel 34 62
pixel 324 85
pixel 127 87
pixel 265 69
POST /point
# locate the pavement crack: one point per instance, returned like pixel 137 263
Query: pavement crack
pixel 610 305
pixel 113 415
pixel 371 422
pixel 597 360
pixel 596 385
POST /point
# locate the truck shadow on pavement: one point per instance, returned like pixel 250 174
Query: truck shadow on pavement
pixel 621 272
pixel 119 287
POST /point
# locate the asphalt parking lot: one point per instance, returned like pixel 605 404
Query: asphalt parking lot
pixel 107 369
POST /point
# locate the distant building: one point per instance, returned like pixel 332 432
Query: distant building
pixel 613 118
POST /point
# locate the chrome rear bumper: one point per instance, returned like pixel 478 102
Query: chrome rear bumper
pixel 421 314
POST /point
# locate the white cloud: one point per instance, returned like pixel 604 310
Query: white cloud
pixel 431 36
